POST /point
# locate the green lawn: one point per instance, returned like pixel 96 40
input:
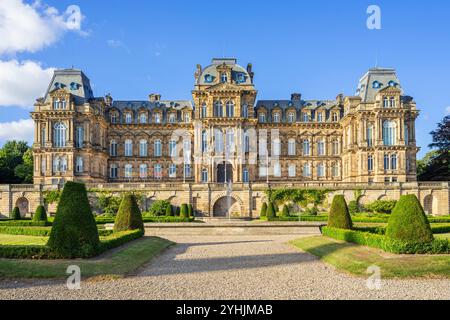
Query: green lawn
pixel 355 259
pixel 442 236
pixel 117 263
pixel 7 239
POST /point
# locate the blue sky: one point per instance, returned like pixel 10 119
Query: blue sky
pixel 318 48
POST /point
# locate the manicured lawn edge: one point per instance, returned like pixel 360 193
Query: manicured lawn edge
pixel 115 264
pixel 38 231
pixel 438 246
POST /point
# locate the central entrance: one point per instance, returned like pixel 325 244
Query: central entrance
pixel 224 172
pixel 226 207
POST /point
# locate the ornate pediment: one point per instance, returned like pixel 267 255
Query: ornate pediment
pixel 393 91
pixel 223 87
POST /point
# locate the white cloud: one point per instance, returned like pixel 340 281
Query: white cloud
pixel 447 110
pixel 17 130
pixel 25 27
pixel 21 83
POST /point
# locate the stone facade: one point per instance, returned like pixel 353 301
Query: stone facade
pixel 221 150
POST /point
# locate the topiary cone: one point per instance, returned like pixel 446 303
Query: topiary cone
pixel 169 210
pixel 190 210
pixel 15 214
pixel 74 232
pixel 270 211
pixel 129 215
pixel 184 213
pixel 408 221
pixel 40 214
pixel 339 216
pixel 285 212
pixel 263 210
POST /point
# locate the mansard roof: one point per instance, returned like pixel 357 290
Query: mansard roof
pixel 375 80
pixel 210 75
pixel 72 80
pixel 297 104
pixel 160 104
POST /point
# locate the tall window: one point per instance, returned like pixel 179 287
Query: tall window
pixel 218 109
pixel 291 117
pixel 204 141
pixel 334 117
pixel 113 118
pixel 291 170
pixel 335 170
pixel 187 117
pixel 370 163
pixel 230 141
pixel 43 165
pixel 223 77
pixel 56 104
pixel 59 135
pixel 157 118
pixel 43 136
pixel 113 148
pixel 63 104
pixel 157 171
pixel 143 148
pixel 306 148
pixel 394 162
pixel 172 148
pixel 262 117
pixel 245 176
pixel 277 169
pixel 80 137
pixel 369 135
pixel 204 110
pixel 230 109
pixel 143 171
pixel 276 145
pixel 386 162
pixel 128 148
pixel 262 147
pixel 205 176
pixel 79 164
pixel 406 134
pixel 157 152
pixel 392 102
pixel 319 116
pixel 335 146
pixel 306 170
pixel 142 118
pixel 172 117
pixel 320 148
pixel 276 117
pixel 173 171
pixel 291 147
pixel 128 118
pixel 321 170
pixel 128 171
pixel 245 111
pixel 305 117
pixel 113 171
pixel 385 102
pixel 246 141
pixel 218 141
pixel 389 133
pixel 187 170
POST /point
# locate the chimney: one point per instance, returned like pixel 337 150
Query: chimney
pixel 296 97
pixel 154 97
pixel 108 99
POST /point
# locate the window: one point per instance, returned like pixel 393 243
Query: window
pixel 305 117
pixel 43 165
pixel 204 110
pixel 370 163
pixel 263 170
pixel 128 171
pixel 369 135
pixel 291 117
pixel 157 171
pixel 143 148
pixel 385 102
pixel 63 104
pixel 187 117
pixel 113 148
pixel 291 147
pixel 113 171
pixel 394 162
pixel 276 145
pixel 335 170
pixel 320 148
pixel 321 170
pixel 142 118
pixel 406 134
pixel 157 118
pixel 63 164
pixel 79 164
pixel 319 116
pixel 408 165
pixel 172 117
pixel 173 171
pixel 392 102
pixel 389 133
pixel 223 77
pixel 128 118
pixel 262 117
pixel 172 148
pixel 128 148
pixel 143 171
pixel 205 176
pixel 335 146
pixel 59 135
pixel 291 170
pixel 230 109
pixel 276 117
pixel 262 147
pixel 246 142
pixel 157 152
pixel 386 162
pixel 245 111
pixel 218 109
pixel 306 170
pixel 245 176
pixel 113 118
pixel 218 141
pixel 56 164
pixel 277 169
pixel 306 148
pixel 334 117
pixel 79 137
pixel 230 141
pixel 376 85
pixel 204 141
pixel 56 104
pixel 187 170
pixel 43 136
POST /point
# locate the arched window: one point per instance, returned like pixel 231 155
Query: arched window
pixel 218 109
pixel 386 162
pixel 276 117
pixel 79 137
pixel 113 171
pixel 369 135
pixel 291 117
pixel 157 118
pixel 291 147
pixel 157 148
pixel 223 77
pixel 113 148
pixel 335 145
pixel 394 162
pixel 59 135
pixel 245 111
pixel 292 170
pixel 262 117
pixel 230 109
pixel 370 163
pixel 321 170
pixel 306 170
pixel 204 110
pixel 389 133
pixel 79 164
pixel 128 171
pixel 306 148
pixel 245 176
pixel 142 118
pixel 143 172
pixel 276 145
pixel 277 169
pixel 321 148
pixel 204 141
pixel 128 148
pixel 205 175
pixel 172 148
pixel 128 118
pixel 143 148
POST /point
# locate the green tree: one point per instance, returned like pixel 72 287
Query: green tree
pixel 40 214
pixel 15 214
pixel 184 213
pixel 128 216
pixel 271 211
pixel 169 210
pixel 11 156
pixel 285 212
pixel 24 171
pixel 339 216
pixel 263 212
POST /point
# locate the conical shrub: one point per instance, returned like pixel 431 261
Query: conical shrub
pixel 339 216
pixel 285 212
pixel 40 214
pixel 184 213
pixel 408 221
pixel 270 210
pixel 128 216
pixel 15 214
pixel 169 210
pixel 74 233
pixel 263 212
pixel 190 210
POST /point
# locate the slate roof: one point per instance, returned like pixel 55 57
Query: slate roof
pixel 383 76
pixel 162 104
pixel 75 81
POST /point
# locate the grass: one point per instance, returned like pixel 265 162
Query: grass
pixel 442 236
pixel 6 239
pixel 115 263
pixel 355 259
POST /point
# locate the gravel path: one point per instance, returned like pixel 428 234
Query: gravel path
pixel 231 267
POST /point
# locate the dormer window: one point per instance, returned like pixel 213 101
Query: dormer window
pixel 208 78
pixel 157 118
pixel 319 117
pixel 385 102
pixel 262 117
pixel 392 83
pixel 224 77
pixel 74 86
pixel 142 118
pixel 58 85
pixel 291 117
pixel 113 118
pixel 335 117
pixel 56 104
pixel 172 118
pixel 305 117
pixel 187 117
pixel 276 117
pixel 240 78
pixel 128 118
pixel 376 85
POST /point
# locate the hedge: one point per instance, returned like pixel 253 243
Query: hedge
pixel 24 223
pixel 128 216
pixel 117 239
pixel 382 242
pixel 263 212
pixel 339 216
pixel 26 231
pixel 184 213
pixel 271 213
pixel 159 219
